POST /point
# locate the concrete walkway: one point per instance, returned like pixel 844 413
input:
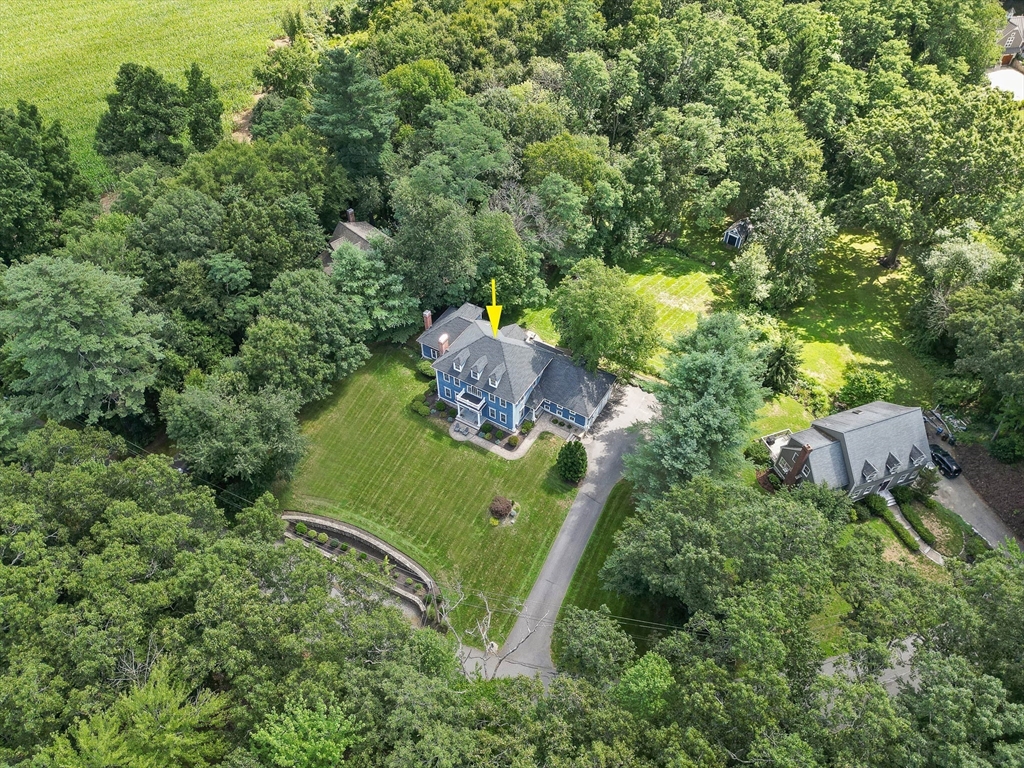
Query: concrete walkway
pixel 606 444
pixel 927 551
pixel 958 496
pixel 545 423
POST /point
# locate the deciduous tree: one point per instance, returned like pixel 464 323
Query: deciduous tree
pixel 73 330
pixel 145 114
pixel 600 317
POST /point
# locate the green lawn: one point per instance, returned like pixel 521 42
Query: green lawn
pixel 62 55
pixel 375 463
pixel 642 619
pixel 859 314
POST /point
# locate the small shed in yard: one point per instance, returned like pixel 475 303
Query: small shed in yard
pixel 736 235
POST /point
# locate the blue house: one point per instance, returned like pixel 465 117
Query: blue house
pixel 507 379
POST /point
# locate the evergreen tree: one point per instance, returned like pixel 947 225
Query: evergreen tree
pixel 572 462
pixel 145 114
pixel 204 107
pixel 352 111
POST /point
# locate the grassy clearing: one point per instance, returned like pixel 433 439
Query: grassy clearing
pixel 859 314
pixel 636 617
pixel 827 627
pixel 374 463
pixel 62 55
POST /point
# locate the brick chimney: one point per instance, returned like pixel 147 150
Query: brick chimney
pixel 428 320
pixel 794 473
pixel 351 214
pixel 442 343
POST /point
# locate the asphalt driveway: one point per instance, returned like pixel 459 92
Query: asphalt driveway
pixel 958 496
pixel 606 444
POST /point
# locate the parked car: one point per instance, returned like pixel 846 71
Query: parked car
pixel 947 464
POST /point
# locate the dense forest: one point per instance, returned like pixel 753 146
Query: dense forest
pixel 150 617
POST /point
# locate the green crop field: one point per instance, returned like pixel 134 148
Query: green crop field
pixel 374 463
pixel 62 55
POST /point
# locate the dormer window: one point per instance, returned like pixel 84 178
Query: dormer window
pixel 474 374
pixel 892 464
pixel 495 375
pixel 869 472
pixel 916 456
pixel 457 366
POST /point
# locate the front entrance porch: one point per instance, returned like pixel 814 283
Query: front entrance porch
pixel 471 408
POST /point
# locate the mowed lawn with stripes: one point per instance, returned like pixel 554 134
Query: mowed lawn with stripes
pixel 374 463
pixel 63 55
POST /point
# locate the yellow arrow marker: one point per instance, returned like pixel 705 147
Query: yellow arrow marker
pixel 494 310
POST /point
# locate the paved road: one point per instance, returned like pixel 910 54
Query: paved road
pixel 606 444
pixel 958 496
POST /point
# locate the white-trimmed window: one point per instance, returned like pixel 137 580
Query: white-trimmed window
pixel 503 418
pixel 490 413
pixel 446 378
pixel 474 375
pixel 901 478
pixel 448 393
pixel 457 365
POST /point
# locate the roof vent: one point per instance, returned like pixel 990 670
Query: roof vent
pixel 855 410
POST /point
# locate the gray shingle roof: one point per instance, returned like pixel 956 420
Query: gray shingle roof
pixel 870 438
pixel 523 362
pixel 356 232
pixel 453 322
pixel 517 361
pixel 573 387
pixel 826 459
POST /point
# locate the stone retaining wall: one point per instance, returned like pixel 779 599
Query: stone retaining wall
pixel 372 542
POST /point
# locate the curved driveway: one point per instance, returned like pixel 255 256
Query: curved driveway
pixel 606 444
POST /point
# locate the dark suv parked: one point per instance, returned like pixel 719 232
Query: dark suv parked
pixel 947 464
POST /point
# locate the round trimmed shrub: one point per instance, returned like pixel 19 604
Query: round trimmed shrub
pixel 487 428
pixel 526 427
pixel 333 543
pixel 301 528
pixel 424 368
pixel 362 555
pixel 498 435
pixel 344 547
pixel 408 582
pixel 311 534
pixel 513 441
pixel 322 538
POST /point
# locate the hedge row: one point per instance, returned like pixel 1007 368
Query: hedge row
pixel 906 496
pixel 910 512
pixel 879 508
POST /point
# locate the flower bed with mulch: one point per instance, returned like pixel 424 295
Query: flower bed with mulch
pixel 1000 485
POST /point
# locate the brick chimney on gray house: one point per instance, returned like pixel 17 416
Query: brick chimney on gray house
pixel 428 320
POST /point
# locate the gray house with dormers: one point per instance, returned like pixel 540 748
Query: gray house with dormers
pixel 509 378
pixel 863 450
